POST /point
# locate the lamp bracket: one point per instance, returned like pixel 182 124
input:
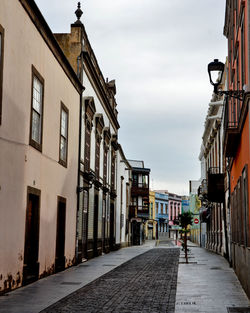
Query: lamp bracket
pixel 237 94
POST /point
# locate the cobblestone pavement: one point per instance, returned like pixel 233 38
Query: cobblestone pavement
pixel 146 283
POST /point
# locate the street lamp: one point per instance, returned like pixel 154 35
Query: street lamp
pixel 215 72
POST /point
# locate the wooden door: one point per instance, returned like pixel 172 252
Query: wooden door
pixel 31 247
pixel 96 206
pixel 60 235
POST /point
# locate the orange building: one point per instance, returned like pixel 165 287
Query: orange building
pixel 236 137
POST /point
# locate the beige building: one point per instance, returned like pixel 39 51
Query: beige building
pixel 39 138
pixel 151 224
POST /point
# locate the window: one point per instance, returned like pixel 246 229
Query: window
pixel 97 156
pixel 135 180
pixel 161 208
pixel 105 160
pixel 246 233
pixel 1 68
pixel 113 158
pixel 63 149
pixel 151 210
pixel 105 155
pixel 157 207
pixel 242 53
pixel 134 201
pixel 88 127
pixel 36 123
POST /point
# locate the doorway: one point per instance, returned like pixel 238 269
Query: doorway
pixel 60 235
pixel 31 246
pixel 112 226
pixel 96 206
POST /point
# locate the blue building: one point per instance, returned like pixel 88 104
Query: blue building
pixel 185 204
pixel 161 212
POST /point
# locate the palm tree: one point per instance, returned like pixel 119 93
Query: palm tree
pixel 185 219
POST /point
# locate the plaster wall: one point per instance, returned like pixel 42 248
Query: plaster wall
pixel 121 207
pixel 20 164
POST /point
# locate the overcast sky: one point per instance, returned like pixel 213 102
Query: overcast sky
pixel 157 51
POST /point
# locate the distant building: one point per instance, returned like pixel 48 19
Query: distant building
pixel 194 207
pixel 185 204
pixel 174 208
pixel 124 177
pixel 151 229
pixel 139 208
pixel 161 213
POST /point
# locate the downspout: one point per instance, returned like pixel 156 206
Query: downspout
pixel 229 203
pixel 224 203
pixel 79 58
pixel 78 178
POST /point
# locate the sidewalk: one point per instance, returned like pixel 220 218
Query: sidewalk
pixel 207 284
pixel 44 292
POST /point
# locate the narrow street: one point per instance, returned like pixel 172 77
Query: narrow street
pixel 146 283
pixel 148 278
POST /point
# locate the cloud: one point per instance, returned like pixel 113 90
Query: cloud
pixel 158 51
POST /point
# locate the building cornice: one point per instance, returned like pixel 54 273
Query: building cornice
pixel 38 20
pixel 100 90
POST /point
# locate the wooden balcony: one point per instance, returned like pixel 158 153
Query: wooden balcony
pixel 231 128
pixel 139 189
pixel 231 140
pixel 215 185
pixel 138 211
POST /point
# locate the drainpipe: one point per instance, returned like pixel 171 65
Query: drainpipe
pixel 229 203
pixel 78 179
pixel 224 206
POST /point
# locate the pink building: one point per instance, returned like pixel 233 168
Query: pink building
pixel 174 205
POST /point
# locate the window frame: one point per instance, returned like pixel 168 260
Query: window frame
pixel 66 110
pixel 32 142
pixel 1 70
pixel 242 36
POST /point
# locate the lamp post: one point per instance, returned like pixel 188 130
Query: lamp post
pixel 215 72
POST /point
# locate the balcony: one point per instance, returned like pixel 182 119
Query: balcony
pixel 138 211
pixel 143 211
pixel 231 129
pixel 139 189
pixel 162 216
pixel 215 185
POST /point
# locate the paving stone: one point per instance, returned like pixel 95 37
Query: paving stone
pixel 146 283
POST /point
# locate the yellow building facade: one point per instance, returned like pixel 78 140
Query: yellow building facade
pixel 151 224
